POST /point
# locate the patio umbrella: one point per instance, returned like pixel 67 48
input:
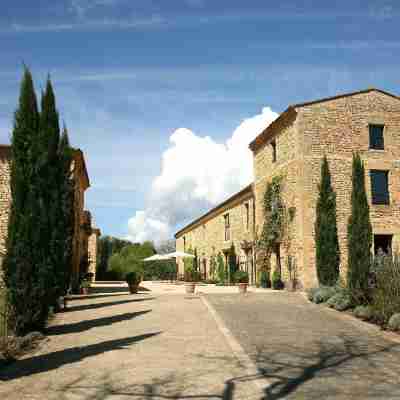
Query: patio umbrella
pixel 179 254
pixel 158 257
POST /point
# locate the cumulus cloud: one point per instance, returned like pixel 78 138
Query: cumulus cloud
pixel 196 173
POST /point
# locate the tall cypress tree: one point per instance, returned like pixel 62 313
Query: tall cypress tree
pixel 21 273
pixel 326 236
pixel 47 187
pixel 65 226
pixel 359 236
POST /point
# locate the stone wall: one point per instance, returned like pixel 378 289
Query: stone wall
pixel 207 236
pixel 92 251
pixel 338 128
pixel 287 167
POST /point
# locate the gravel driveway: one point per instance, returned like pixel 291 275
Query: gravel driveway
pixel 308 352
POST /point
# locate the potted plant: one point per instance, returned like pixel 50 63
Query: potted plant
pixel 277 283
pixel 242 279
pixel 84 287
pixel 191 278
pixel 133 280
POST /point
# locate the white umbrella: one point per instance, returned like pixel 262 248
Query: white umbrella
pixel 158 257
pixel 179 254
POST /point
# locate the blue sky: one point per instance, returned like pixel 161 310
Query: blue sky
pixel 128 74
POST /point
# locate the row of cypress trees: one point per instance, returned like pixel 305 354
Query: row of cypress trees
pixel 359 230
pixel 40 232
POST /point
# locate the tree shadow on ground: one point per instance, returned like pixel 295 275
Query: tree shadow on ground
pixel 281 374
pixel 289 372
pixel 47 362
pixel 93 306
pixel 95 296
pixel 84 325
pixel 109 289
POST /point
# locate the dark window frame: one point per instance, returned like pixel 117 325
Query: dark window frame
pixel 380 193
pixel 376 140
pixel 227 229
pixel 273 145
pixel 247 211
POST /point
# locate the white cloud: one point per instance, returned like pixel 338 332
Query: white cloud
pixel 196 174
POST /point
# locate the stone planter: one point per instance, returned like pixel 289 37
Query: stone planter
pixel 190 287
pixel 242 287
pixel 133 288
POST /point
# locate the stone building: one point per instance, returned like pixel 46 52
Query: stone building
pixel 367 122
pixel 92 250
pixel 82 228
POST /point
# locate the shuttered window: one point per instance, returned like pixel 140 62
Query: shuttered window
pixel 379 187
pixel 376 140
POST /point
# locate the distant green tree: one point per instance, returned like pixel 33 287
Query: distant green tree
pixel 359 231
pixel 107 246
pixel 326 235
pixel 130 259
pixel 21 271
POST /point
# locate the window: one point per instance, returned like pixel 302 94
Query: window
pixel 184 243
pixel 376 141
pixel 227 227
pixel 379 187
pixel 247 215
pixel 273 145
pixel 383 243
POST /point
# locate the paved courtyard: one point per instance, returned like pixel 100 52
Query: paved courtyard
pixel 306 351
pixel 164 344
pixel 154 345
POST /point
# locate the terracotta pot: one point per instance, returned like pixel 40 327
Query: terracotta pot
pixel 242 287
pixel 190 287
pixel 133 288
pixel 84 290
pixel 291 285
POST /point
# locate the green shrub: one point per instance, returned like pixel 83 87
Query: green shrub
pixel 276 280
pixel 241 277
pixel 342 302
pixel 386 295
pixel 85 284
pixel 323 294
pixel 310 293
pixel 265 282
pixel 132 278
pixel 364 312
pixel 394 322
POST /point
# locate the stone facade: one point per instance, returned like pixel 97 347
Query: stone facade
pixel 293 147
pixel 82 228
pixel 209 237
pixel 92 250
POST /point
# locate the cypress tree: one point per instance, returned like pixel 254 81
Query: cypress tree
pixel 47 188
pixel 21 273
pixel 65 222
pixel 359 234
pixel 326 236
